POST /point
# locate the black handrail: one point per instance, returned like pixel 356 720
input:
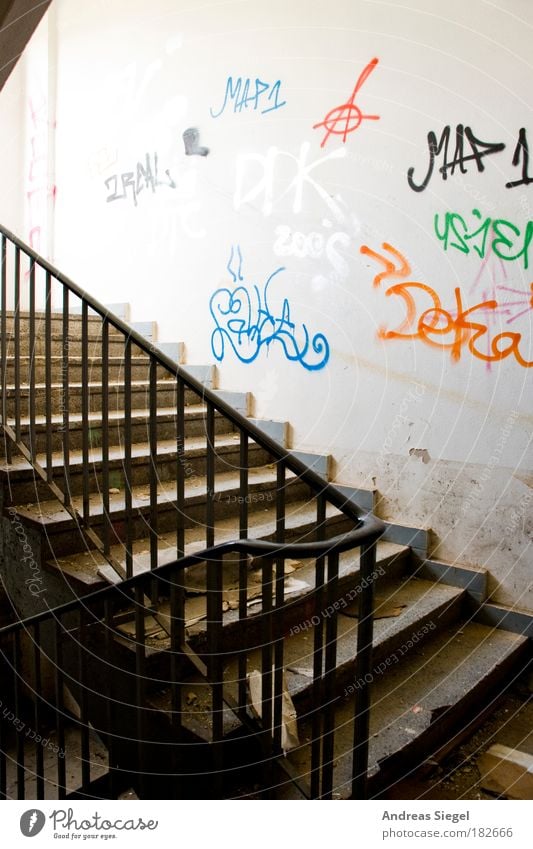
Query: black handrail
pixel 147 590
pixel 68 647
pixel 333 495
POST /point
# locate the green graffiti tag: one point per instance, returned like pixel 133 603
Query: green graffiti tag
pixel 505 239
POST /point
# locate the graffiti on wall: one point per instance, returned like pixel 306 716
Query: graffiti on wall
pixel 454 329
pixel 130 184
pixel 254 95
pixel 468 149
pixel 246 322
pixel 191 140
pixel 40 190
pixel 348 117
pixel 249 189
pixel 484 234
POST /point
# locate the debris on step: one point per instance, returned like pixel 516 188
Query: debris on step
pixel 129 795
pixel 289 725
pixel 292 585
pixel 151 627
pixel 191 699
pixel 306 671
pixel 384 608
pixel 507 772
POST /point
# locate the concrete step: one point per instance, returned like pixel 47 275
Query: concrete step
pixel 94 324
pixel 140 369
pixel 71 345
pixel 61 535
pixel 140 395
pixel 81 570
pixel 25 487
pixel 166 421
pixel 420 702
pixel 426 607
pixel 300 590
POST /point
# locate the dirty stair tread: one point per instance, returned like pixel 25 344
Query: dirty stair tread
pixel 436 675
pixel 50 513
pixel 193 446
pixel 191 411
pixel 300 517
pixel 388 555
pixel 420 601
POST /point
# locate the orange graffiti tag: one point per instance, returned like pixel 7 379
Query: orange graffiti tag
pixel 451 330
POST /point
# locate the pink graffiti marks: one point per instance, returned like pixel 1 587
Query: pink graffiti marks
pixel 39 188
pixel 348 116
pixel 453 329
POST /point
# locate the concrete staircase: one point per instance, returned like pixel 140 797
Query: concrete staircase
pixel 436 669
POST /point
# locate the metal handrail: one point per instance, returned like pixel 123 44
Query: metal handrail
pixel 329 490
pixel 140 588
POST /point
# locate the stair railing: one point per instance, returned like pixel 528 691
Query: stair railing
pixel 29 287
pixel 79 649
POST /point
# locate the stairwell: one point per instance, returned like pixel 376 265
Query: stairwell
pixel 116 465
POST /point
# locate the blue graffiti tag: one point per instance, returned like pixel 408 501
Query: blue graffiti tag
pixel 250 94
pixel 249 327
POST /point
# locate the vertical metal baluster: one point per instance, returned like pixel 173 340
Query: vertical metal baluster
pixel 39 751
pixel 363 666
pixel 110 702
pixel 210 477
pixel 177 639
pixel 105 437
pixel 128 480
pixel 180 468
pixel 48 375
pixel 266 669
pixel 33 444
pixel 85 429
pixel 243 568
pixel 3 331
pixel 83 701
pixel 318 654
pixel 17 678
pixel 153 464
pixel 140 671
pixel 16 320
pixel 330 665
pixel 65 397
pixel 59 709
pixel 277 625
pixel 215 664
pixel 3 745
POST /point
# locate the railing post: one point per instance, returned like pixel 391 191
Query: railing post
pixel 3 341
pixel 328 691
pixel 363 670
pixel 318 653
pixel 215 665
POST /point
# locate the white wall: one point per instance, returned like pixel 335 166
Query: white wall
pixel 442 434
